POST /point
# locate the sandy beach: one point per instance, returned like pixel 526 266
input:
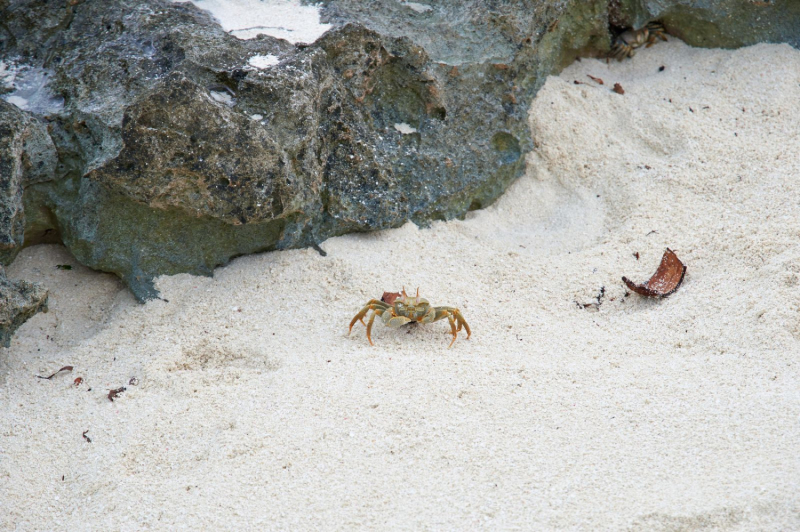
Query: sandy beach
pixel 248 406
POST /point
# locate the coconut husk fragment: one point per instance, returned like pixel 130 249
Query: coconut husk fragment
pixel 665 281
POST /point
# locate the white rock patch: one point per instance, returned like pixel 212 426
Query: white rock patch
pixel 22 103
pixel 29 89
pixel 7 74
pixel 416 6
pixel 263 61
pixel 222 97
pixel 405 129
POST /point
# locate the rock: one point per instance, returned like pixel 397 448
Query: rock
pixel 27 156
pixel 19 300
pixel 180 146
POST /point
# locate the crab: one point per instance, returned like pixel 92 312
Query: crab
pixel 397 309
pixel 625 44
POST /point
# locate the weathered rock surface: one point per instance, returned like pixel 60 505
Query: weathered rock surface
pixel 19 300
pixel 175 154
pixel 27 156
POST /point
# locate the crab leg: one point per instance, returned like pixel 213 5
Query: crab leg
pixel 452 329
pixel 454 316
pixel 369 326
pixel 373 304
pixel 461 321
pixel 388 317
pixel 441 312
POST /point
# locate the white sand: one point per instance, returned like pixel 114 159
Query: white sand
pixel 254 409
pixel 285 19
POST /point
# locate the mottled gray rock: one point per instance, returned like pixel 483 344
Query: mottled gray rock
pixel 175 154
pixel 27 156
pixel 19 300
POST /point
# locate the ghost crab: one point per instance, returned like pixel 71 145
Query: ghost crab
pixel 625 44
pixel 397 309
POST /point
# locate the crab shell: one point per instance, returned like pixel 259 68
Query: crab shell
pixel 410 307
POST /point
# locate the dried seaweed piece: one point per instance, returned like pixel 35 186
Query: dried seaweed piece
pixel 595 305
pixel 77 381
pixel 596 80
pixel 115 393
pixel 618 89
pixel 134 381
pixel 85 437
pixel 65 368
pixel 389 297
pixel 665 281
